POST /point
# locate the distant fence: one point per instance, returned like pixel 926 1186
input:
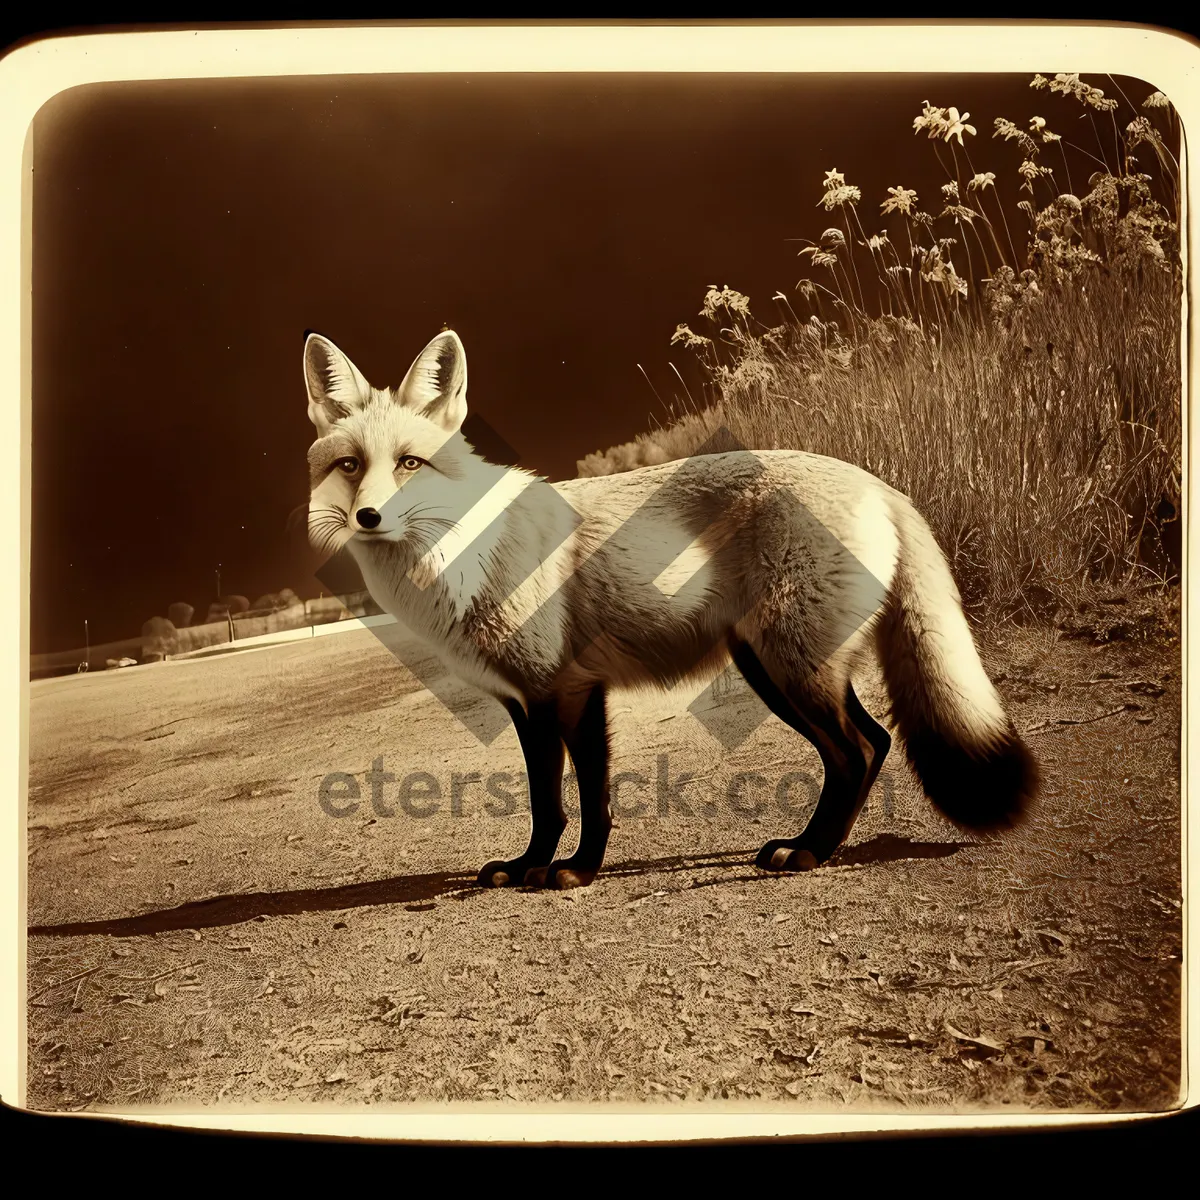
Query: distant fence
pixel 238 627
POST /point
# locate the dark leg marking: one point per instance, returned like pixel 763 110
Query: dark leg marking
pixel 541 743
pixel 878 737
pixel 587 740
pixel 851 755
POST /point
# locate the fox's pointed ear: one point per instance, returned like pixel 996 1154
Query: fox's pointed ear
pixel 336 387
pixel 436 383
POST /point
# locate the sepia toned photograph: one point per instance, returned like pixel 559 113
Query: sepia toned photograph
pixel 564 589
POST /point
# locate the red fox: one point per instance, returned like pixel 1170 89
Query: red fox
pixel 794 566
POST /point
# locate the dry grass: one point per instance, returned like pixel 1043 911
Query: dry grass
pixel 1029 404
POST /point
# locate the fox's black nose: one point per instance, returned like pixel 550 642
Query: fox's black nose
pixel 368 518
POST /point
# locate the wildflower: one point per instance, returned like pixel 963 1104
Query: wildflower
pixel 900 200
pixel 724 297
pixel 950 191
pixel 985 179
pixel 822 258
pixel 1140 130
pixel 1038 125
pixel 1038 82
pixel 832 240
pixel 922 218
pixel 936 269
pixel 960 213
pixel 1069 83
pixel 1155 100
pixel 1029 171
pixel 877 241
pixel 836 197
pixel 1095 97
pixel 1069 201
pixel 834 179
pixel 932 119
pixel 956 126
pixel 1007 130
pixel 685 336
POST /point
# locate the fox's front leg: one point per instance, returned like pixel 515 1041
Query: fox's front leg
pixel 585 730
pixel 541 743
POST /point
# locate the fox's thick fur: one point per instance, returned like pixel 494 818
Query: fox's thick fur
pixel 795 565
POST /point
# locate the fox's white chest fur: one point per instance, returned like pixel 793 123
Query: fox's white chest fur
pixel 433 595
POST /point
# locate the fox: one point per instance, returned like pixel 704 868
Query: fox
pixel 795 567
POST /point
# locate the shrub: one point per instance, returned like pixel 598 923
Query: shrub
pixel 180 614
pixel 1027 402
pixel 158 638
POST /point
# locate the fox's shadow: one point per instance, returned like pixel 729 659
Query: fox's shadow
pixel 423 890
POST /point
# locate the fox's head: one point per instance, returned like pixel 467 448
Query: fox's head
pixel 386 461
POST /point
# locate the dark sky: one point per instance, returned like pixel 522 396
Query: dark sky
pixel 187 234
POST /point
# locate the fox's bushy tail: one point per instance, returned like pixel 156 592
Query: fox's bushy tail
pixel 963 746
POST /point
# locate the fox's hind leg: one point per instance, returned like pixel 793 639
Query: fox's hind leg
pixel 585 730
pixel 824 709
pixel 879 738
pixel 541 743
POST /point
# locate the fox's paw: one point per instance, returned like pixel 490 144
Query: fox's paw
pixel 785 856
pixel 564 875
pixel 515 872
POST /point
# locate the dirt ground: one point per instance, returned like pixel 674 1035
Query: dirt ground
pixel 204 933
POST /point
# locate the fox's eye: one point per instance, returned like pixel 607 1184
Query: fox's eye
pixel 410 462
pixel 347 466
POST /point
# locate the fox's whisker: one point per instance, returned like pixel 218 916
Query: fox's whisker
pixel 326 531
